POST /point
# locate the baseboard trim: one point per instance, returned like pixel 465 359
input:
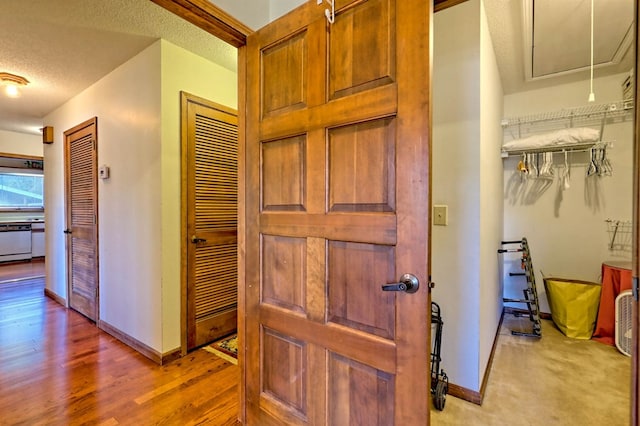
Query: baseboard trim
pixel 464 393
pixel 55 297
pixel 152 354
pixel 487 371
pixel 474 396
pixel 172 355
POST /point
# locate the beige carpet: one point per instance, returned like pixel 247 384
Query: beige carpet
pixel 549 381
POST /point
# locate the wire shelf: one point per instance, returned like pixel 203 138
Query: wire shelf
pixel 583 112
pixel 620 233
pixel 584 116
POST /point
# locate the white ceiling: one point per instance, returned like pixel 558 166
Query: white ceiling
pixel 554 29
pixel 553 46
pixel 64 46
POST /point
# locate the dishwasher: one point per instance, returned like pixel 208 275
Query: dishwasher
pixel 15 241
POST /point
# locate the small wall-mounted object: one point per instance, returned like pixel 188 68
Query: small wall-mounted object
pixel 103 172
pixel 47 134
pixel 440 215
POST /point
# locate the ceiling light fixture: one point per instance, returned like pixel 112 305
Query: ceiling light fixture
pixel 12 83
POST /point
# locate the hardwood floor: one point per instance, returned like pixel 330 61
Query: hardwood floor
pixel 20 270
pixel 57 368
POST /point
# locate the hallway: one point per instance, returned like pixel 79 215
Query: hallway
pixel 57 368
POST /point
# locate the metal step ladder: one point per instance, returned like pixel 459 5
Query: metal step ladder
pixel 530 293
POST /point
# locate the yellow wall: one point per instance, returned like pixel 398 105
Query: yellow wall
pixel 181 71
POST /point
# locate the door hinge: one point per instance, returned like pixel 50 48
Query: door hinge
pixel 635 289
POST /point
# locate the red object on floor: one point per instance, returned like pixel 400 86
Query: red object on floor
pixel 616 277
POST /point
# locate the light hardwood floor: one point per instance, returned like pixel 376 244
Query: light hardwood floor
pixel 58 368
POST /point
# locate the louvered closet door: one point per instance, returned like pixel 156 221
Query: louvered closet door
pixel 82 224
pixel 212 187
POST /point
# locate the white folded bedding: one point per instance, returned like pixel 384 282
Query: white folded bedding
pixel 557 138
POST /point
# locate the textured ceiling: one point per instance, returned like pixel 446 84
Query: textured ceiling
pixel 64 46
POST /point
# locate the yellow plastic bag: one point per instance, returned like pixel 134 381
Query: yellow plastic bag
pixel 574 305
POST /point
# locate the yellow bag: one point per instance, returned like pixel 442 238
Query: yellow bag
pixel 574 305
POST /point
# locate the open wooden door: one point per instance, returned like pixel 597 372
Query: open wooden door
pixel 337 205
pixel 82 217
pixel 210 179
pixel 635 366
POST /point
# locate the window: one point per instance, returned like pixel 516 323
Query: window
pixel 21 191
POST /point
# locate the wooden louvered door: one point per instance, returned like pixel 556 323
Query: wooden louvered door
pixel 337 205
pixel 82 217
pixel 211 176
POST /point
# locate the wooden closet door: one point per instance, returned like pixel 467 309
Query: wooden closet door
pixel 82 217
pixel 337 205
pixel 212 210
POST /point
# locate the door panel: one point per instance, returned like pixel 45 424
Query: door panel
pixel 82 225
pixel 635 363
pixel 350 48
pixel 337 204
pixel 211 236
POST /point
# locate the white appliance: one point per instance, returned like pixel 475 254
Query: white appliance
pixel 15 241
pixel 37 239
pixel 624 322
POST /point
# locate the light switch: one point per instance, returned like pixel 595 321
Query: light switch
pixel 440 215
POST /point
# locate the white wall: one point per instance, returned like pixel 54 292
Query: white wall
pixel 181 71
pixel 278 8
pixel 252 13
pixel 566 229
pixel 491 184
pixel 456 183
pixel 127 104
pixel 467 177
pixel 20 143
pixel 257 13
pixel 138 110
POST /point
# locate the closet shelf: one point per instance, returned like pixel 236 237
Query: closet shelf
pixel 573 115
pixel 574 147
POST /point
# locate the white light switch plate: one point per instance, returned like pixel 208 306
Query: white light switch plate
pixel 440 215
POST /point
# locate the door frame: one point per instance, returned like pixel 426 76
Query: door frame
pixel 212 19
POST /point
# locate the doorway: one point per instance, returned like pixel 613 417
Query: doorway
pixel 636 197
pixel 564 225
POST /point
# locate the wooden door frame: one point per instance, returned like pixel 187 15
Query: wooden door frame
pixel 210 18
pixel 67 188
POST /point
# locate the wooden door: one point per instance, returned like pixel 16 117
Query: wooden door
pixel 82 217
pixel 337 204
pixel 210 169
pixel 635 365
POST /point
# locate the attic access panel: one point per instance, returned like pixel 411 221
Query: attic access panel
pixel 561 34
